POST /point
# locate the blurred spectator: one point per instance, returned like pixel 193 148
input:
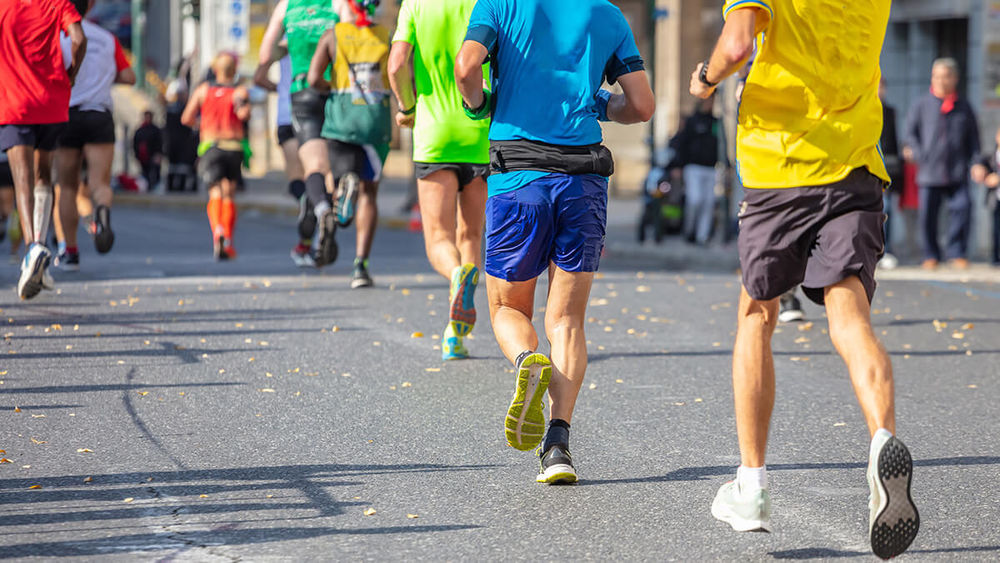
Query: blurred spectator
pixel 987 172
pixel 942 137
pixel 894 165
pixel 148 146
pixel 697 146
pixel 181 142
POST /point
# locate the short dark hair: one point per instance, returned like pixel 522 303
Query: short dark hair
pixel 82 6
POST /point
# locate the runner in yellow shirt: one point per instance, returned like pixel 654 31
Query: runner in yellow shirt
pixel 807 152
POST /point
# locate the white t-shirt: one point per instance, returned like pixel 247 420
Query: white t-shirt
pixel 285 92
pixel 102 63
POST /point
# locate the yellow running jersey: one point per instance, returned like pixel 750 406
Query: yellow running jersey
pixel 810 111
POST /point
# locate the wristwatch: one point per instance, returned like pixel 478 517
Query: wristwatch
pixel 703 76
pixel 410 111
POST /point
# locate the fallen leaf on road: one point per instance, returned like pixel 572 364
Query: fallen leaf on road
pixel 268 374
pixel 412 516
pixel 202 496
pixel 266 390
pixel 840 424
pixel 312 374
pixel 264 343
pixel 370 512
pixel 84 450
pixel 345 375
pixel 5 460
pixel 968 326
pixel 679 404
pixel 801 340
pixel 699 400
pixel 958 335
pixel 973 386
pixel 17 409
pixel 268 496
pixel 417 335
pixel 907 346
pixel 38 416
pixel 392 388
pixel 407 384
pixel 129 499
pixel 716 344
pixel 799 359
pixel 432 369
pixel 619 381
pixel 34 441
pixel 222 370
pixel 252 359
pixel 296 370
pixel 88 479
pixel 405 291
pixel 592 386
pixel 376 343
pixel 335 329
pixel 968 352
pixel 805 327
pixel 35 487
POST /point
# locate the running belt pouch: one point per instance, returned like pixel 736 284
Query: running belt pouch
pixel 512 156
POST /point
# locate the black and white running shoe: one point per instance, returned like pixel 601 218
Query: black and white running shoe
pixel 893 518
pixel 791 309
pixel 307 219
pixel 33 268
pixel 557 467
pixel 68 261
pixel 361 276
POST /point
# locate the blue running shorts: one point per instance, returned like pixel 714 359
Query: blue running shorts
pixel 557 218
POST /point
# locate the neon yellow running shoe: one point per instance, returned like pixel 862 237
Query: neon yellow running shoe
pixel 525 423
pixel 461 298
pixel 452 347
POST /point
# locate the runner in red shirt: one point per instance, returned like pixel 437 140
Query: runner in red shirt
pixel 34 105
pixel 224 106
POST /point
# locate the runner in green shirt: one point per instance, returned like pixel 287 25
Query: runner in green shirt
pixel 302 23
pixel 451 152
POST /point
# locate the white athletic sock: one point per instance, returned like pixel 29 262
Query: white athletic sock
pixel 878 440
pixel 321 208
pixel 43 212
pixel 751 479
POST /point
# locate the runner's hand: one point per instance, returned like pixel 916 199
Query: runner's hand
pixel 992 181
pixel 699 88
pixel 403 120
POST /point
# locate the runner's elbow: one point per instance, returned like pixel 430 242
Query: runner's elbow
pixel 737 49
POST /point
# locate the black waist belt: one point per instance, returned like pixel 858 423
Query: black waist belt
pixel 511 156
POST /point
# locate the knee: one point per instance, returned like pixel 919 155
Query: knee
pixel 469 233
pixel 759 316
pixel 558 323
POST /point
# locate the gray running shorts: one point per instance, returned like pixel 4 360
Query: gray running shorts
pixel 813 236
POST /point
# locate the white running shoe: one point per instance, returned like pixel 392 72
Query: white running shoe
pixel 33 271
pixel 893 518
pixel 745 512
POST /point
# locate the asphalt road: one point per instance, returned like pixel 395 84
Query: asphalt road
pixel 160 406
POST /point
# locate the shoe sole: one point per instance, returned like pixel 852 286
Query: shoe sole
pixel 32 285
pixel 347 199
pixel 447 356
pixel 560 474
pixel 358 284
pixel 525 422
pixel 463 305
pixel 307 222
pixel 327 242
pixel 738 523
pixel 104 238
pixel 219 250
pixel 68 267
pixel 896 524
pixel 302 262
pixel 790 316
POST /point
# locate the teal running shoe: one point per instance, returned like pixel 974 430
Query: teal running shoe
pixel 347 198
pixel 452 347
pixel 461 298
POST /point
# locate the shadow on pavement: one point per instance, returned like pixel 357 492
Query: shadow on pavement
pixel 703 473
pixel 172 494
pixel 827 553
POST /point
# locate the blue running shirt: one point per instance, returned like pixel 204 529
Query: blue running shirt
pixel 548 59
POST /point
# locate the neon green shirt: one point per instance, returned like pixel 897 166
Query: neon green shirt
pixel 442 132
pixel 305 23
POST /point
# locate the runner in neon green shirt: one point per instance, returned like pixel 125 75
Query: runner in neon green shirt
pixel 451 152
pixel 302 23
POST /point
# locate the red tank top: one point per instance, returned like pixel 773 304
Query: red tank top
pixel 218 115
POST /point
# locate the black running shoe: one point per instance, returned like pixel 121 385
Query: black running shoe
pixel 557 467
pixel 361 276
pixel 307 219
pixel 327 251
pixel 219 249
pixel 104 238
pixel 893 518
pixel 791 309
pixel 68 261
pixel 347 198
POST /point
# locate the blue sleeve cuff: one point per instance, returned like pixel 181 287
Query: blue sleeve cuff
pixel 747 4
pixel 617 67
pixel 602 97
pixel 484 35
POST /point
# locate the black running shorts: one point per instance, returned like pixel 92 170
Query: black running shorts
pixel 87 128
pixel 38 137
pixel 6 177
pixel 815 236
pixel 218 164
pixel 308 113
pixel 466 172
pixel 285 133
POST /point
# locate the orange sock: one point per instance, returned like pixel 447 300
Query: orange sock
pixel 227 218
pixel 214 215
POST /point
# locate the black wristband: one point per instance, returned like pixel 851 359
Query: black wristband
pixel 703 76
pixel 410 111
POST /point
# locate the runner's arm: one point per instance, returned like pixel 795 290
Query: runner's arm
pixel 469 72
pixel 636 104
pixel 401 74
pixel 242 98
pixel 78 48
pixel 326 50
pixel 733 49
pixel 275 29
pixel 124 73
pixel 190 115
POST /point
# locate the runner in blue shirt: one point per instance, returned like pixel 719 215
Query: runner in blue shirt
pixel 548 188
